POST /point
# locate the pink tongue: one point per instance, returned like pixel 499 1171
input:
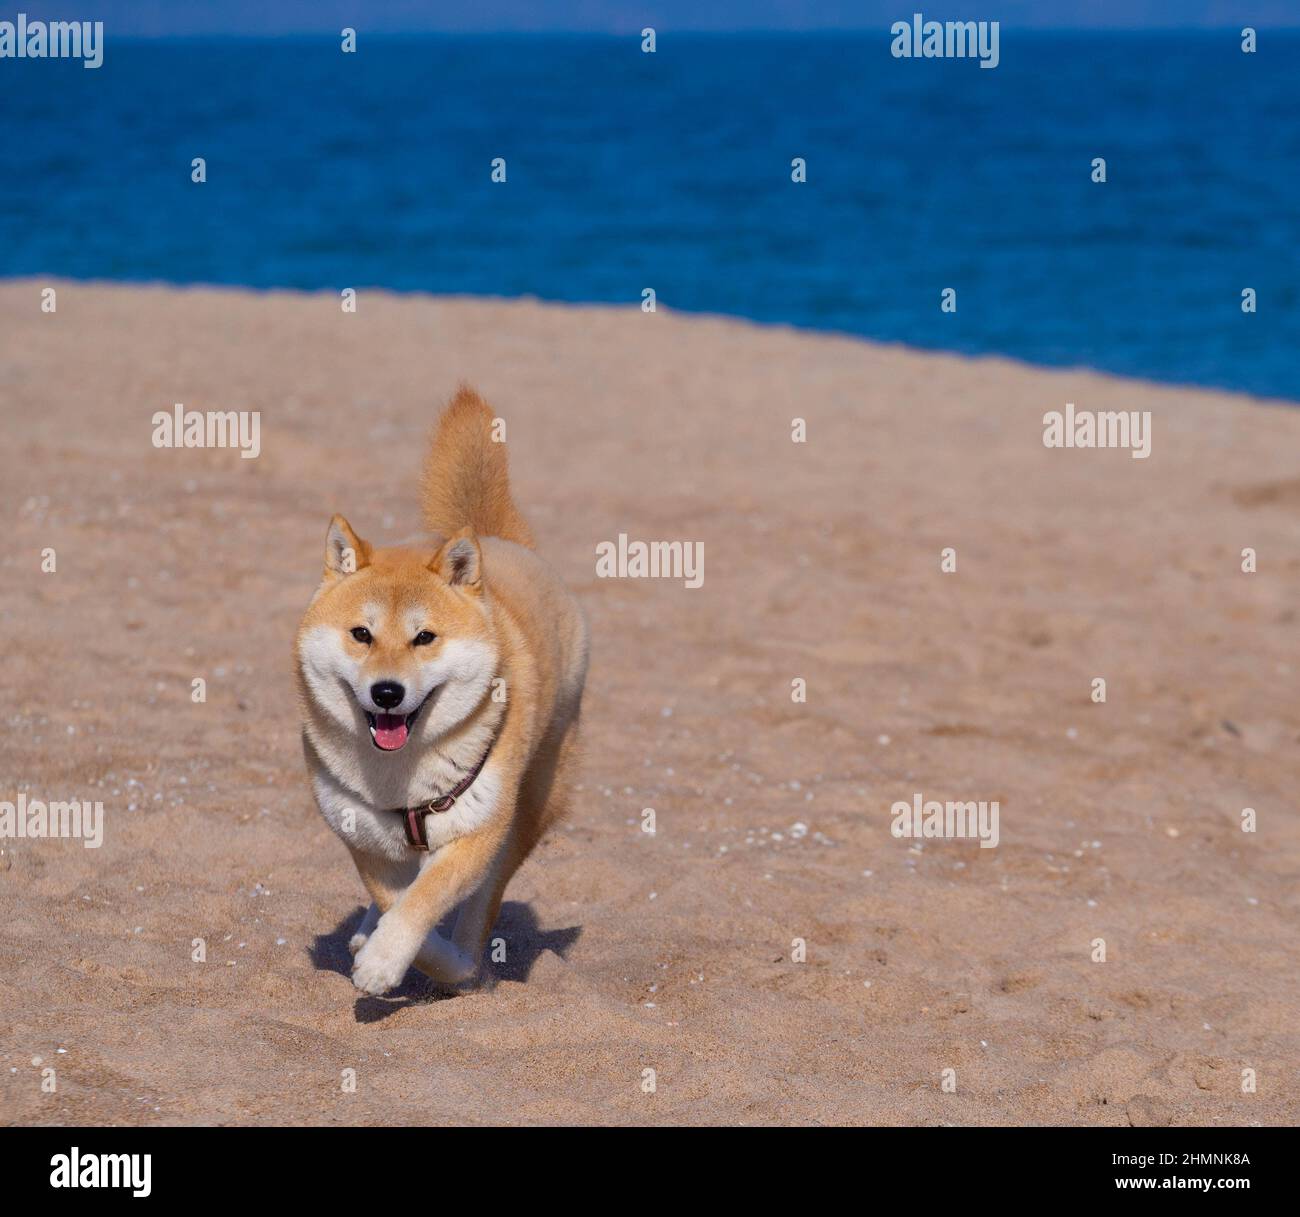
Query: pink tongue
pixel 390 731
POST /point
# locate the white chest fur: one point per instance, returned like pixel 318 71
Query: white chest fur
pixel 381 831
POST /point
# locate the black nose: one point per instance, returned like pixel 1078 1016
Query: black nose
pixel 387 693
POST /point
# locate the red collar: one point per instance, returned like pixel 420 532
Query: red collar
pixel 413 817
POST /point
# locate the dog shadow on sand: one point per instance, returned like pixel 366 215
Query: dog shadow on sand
pixel 517 924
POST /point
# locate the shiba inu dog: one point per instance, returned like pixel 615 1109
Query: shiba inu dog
pixel 440 690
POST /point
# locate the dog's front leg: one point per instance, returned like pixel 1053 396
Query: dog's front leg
pixel 385 881
pixel 455 870
pixel 365 929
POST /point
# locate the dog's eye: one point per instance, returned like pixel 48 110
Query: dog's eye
pixel 423 638
pixel 361 634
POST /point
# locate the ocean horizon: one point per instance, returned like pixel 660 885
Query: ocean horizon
pixel 672 172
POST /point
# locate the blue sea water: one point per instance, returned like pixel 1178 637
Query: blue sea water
pixel 672 171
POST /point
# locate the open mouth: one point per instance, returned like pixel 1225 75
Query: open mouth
pixel 389 732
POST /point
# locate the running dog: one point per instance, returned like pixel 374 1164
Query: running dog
pixel 440 690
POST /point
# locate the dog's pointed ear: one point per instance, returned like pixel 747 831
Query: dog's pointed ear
pixel 345 552
pixel 460 562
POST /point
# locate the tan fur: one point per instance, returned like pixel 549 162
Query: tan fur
pixel 489 600
pixel 465 481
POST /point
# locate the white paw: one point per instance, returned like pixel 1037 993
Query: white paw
pixel 357 941
pixel 443 961
pixel 380 964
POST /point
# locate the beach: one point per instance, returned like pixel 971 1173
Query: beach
pixel 772 953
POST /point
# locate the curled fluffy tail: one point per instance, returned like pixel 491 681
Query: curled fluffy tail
pixel 465 481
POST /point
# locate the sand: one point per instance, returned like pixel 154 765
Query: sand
pixel 676 952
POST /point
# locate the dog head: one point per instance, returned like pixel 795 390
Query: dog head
pixel 397 644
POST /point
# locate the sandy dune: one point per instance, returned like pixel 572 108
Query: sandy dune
pixel 672 952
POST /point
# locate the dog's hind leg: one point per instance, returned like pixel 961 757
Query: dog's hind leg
pixel 478 915
pixel 444 961
pixel 543 799
pixel 459 960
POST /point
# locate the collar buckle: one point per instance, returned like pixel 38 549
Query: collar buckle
pixel 413 817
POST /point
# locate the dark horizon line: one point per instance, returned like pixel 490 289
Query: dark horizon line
pixel 660 31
